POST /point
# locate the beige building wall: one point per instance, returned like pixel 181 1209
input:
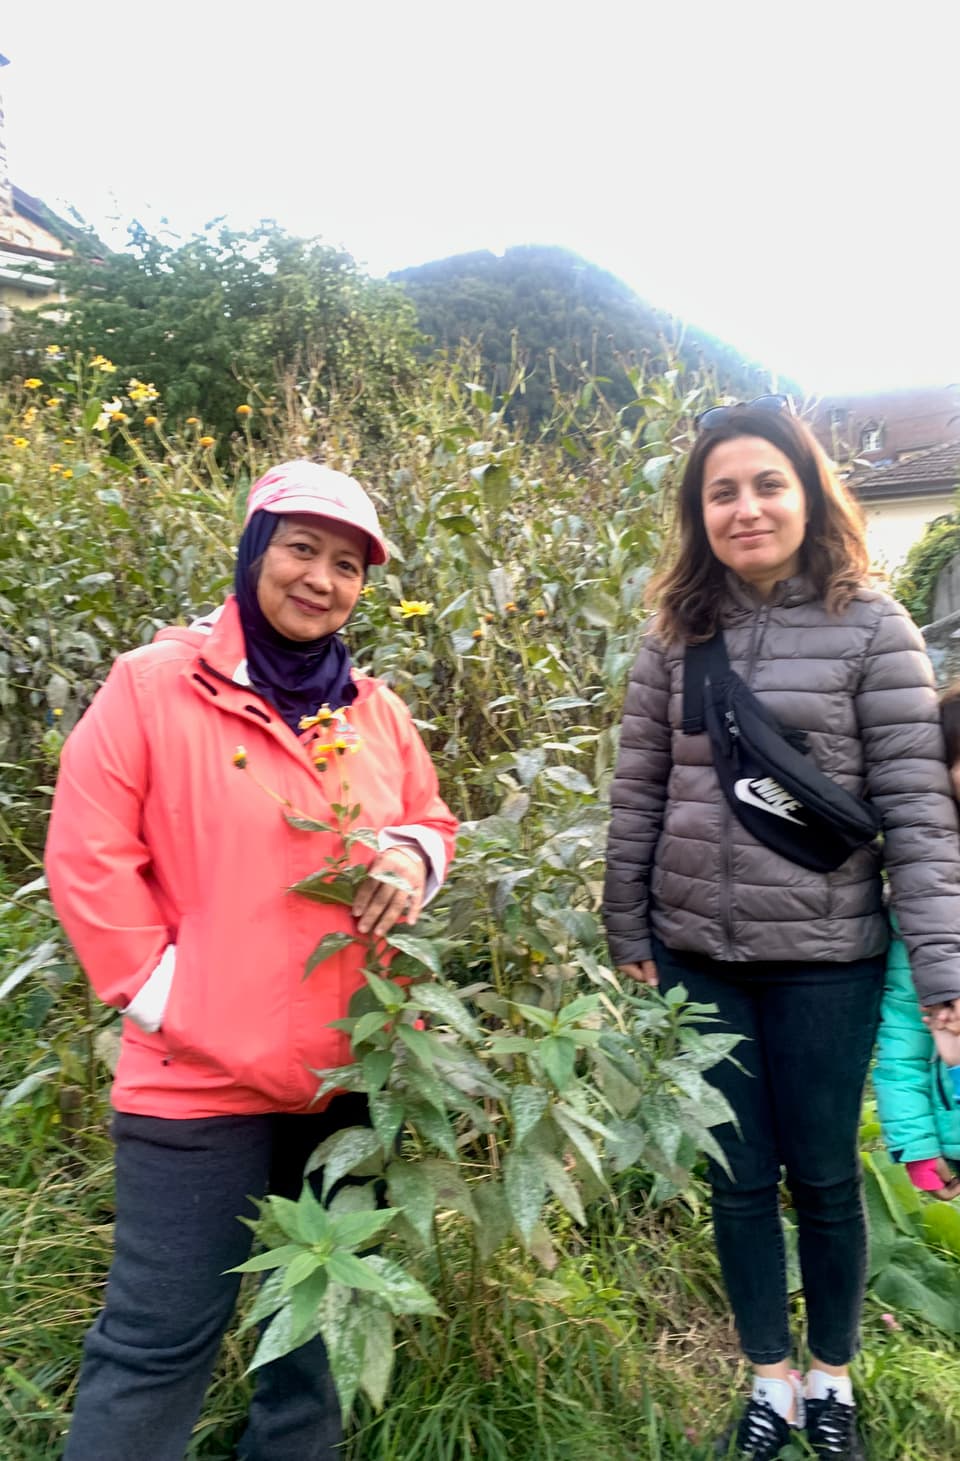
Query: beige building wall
pixel 896 523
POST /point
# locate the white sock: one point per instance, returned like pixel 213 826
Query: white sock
pixel 783 1396
pixel 819 1383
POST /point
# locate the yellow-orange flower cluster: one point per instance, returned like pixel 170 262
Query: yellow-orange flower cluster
pixel 244 409
pixel 33 383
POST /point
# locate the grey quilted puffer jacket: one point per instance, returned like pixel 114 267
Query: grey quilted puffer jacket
pixel 682 866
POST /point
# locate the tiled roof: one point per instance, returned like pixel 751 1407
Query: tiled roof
pixel 937 468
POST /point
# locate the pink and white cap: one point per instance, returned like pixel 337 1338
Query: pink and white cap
pixel 308 487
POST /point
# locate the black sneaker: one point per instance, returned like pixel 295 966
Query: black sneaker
pixel 832 1430
pixel 761 1434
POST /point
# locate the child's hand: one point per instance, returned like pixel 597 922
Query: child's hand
pixel 944 1038
pixel 951 1182
pixel 943 1017
pixel 948 1046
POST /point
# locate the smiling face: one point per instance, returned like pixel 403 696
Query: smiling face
pixel 311 576
pixel 754 510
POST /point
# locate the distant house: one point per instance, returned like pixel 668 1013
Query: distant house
pixel 33 241
pixel 900 452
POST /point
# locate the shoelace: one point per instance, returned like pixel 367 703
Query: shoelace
pixel 761 1432
pixel 832 1436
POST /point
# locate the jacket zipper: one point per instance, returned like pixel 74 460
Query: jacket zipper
pixel 948 1105
pixel 726 857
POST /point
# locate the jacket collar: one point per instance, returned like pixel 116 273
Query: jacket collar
pixel 743 598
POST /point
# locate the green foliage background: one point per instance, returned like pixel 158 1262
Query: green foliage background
pixel 596 1325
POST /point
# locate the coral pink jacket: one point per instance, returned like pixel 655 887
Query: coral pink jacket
pixel 158 840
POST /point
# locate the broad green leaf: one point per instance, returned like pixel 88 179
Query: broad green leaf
pixel 434 1126
pixel 447 1006
pixel 570 779
pixel 511 1044
pixel 527 1105
pixel 494 1222
pixel 274 1258
pixel 307 824
pixel 287 1215
pixel 525 1185
pixel 377 1328
pixel 386 1113
pixel 410 1186
pixel 405 1295
pixel 420 949
pixel 377 1065
pixel 343 1152
pixel 354 1272
pixel 312 1218
pixel 269 1298
pixel 545 1019
pixel 330 944
pixel 418 1043
pixel 357 1229
pixel 580 1142
pixel 368 1025
pixel 449 1187
pixel 341 1326
pixel 323 889
pixel 280 1337
pixel 303 1266
pixel 599 608
pixel 557 1054
pixel 390 995
pixel 563 1187
pixel 305 1301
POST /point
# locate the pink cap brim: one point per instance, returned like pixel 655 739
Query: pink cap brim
pixel 308 504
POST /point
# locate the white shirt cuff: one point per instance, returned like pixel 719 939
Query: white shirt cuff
pixel 430 844
pixel 149 1004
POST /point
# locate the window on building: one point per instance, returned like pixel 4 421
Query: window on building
pixel 871 438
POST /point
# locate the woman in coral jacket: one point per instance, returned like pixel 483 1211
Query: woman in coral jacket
pixel 169 866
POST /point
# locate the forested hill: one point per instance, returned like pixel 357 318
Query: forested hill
pixel 555 299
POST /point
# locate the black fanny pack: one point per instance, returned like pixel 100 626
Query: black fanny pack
pixel 774 788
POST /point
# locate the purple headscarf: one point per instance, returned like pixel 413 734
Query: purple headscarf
pixel 295 676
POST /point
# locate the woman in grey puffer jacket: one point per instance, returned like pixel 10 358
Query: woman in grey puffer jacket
pixel 771 550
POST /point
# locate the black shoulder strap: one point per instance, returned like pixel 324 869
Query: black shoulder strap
pixel 700 663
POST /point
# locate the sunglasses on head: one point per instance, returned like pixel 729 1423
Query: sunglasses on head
pixel 721 415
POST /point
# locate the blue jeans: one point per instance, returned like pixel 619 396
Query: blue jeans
pixel 810 1031
pixel 181 1187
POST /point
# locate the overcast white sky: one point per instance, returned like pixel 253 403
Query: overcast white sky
pixel 784 175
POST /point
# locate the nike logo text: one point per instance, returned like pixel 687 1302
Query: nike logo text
pixel 769 796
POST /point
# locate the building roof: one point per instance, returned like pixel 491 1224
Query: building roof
pixel 937 469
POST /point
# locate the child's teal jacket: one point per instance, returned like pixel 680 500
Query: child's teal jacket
pixel 918 1111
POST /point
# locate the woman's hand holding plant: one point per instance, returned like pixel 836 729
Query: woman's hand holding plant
pixel 379 905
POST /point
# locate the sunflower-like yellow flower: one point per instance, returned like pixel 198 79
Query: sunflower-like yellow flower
pixel 207 440
pixel 323 717
pixel 140 391
pixel 53 401
pixel 33 383
pixel 193 420
pixel 118 416
pixel 68 474
pixel 101 363
pixel 368 590
pixel 244 410
pixel 56 467
pixel 29 415
pixel 53 349
pixel 414 608
pixel 20 442
pixel 150 420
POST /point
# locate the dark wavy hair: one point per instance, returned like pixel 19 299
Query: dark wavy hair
pixel 688 590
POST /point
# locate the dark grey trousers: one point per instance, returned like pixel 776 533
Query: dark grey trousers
pixel 181 1187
